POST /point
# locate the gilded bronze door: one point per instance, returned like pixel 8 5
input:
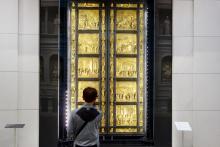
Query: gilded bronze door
pixel 107 51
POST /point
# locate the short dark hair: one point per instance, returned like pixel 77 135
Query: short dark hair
pixel 89 94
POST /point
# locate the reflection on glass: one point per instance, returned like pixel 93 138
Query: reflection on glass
pixel 88 44
pixel 126 92
pixel 88 67
pixel 126 44
pixel 126 115
pixel 126 20
pixel 83 84
pixel 88 19
pixel 126 67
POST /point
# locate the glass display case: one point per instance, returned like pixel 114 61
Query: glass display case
pixel 108 53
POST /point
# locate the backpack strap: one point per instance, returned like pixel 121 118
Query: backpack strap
pixel 81 128
pixel 87 115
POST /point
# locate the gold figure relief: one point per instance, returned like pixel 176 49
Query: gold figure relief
pixel 126 115
pixel 126 20
pixel 88 19
pixel 126 92
pixel 88 67
pixel 88 44
pixel 126 44
pixel 126 68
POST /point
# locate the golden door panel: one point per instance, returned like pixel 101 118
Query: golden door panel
pixel 126 57
pixel 126 91
pixel 126 68
pixel 88 19
pixel 126 44
pixel 126 20
pixel 88 44
pixel 88 67
pixel 126 115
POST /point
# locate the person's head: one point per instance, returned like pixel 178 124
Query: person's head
pixel 90 94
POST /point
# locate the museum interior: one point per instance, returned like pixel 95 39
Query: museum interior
pixel 108 45
pixel 154 64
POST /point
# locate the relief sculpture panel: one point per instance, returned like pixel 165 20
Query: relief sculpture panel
pixel 88 44
pixel 126 68
pixel 88 19
pixel 126 20
pixel 126 115
pixel 126 92
pixel 88 67
pixel 126 44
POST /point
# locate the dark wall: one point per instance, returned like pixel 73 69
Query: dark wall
pixel 49 22
pixel 163 73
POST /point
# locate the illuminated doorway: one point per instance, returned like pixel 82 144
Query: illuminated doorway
pixel 108 48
